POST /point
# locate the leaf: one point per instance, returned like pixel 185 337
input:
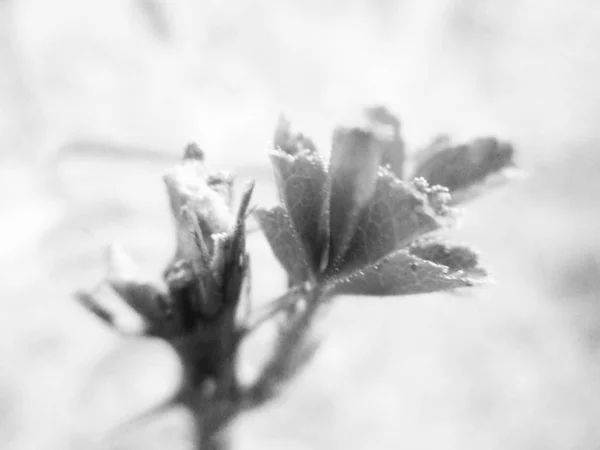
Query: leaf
pixel 201 206
pixel 276 225
pixel 437 144
pixel 108 305
pixel 89 302
pixel 235 263
pixel 403 273
pixel 145 299
pixel 193 247
pixel 148 301
pixel 355 158
pixel 191 195
pixel 464 167
pixel 185 187
pixel 302 186
pixel 222 183
pixel 399 213
pixel 229 247
pixel 289 142
pixel 394 154
pixel 455 257
pixel 193 151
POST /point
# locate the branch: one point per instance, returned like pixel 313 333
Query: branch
pixel 266 312
pixel 291 353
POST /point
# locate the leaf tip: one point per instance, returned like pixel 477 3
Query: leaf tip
pixel 193 152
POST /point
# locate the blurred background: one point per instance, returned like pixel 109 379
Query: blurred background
pixel 98 98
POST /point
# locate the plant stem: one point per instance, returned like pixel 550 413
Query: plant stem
pixel 281 366
pixel 274 307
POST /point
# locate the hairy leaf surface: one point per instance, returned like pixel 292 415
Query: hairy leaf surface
pixel 455 257
pixel 466 167
pixel 397 214
pixel 277 227
pixel 302 186
pixel 403 273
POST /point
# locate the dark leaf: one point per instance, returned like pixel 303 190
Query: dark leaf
pixel 148 301
pixel 188 295
pixel 302 186
pixel 404 274
pixel 141 295
pixel 463 167
pixel 194 249
pixel 229 247
pixel 233 268
pixel 398 214
pixel 217 289
pixel 89 302
pixel 286 246
pixel 106 303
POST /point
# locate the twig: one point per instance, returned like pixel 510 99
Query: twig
pixel 281 363
pixel 272 308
